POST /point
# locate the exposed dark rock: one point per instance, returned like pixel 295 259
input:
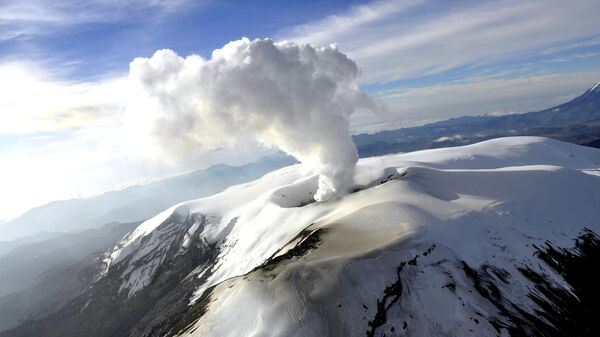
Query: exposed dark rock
pixel 307 240
pixel 104 310
pixel 561 312
pixel 391 295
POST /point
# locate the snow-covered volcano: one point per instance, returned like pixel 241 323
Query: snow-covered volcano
pixel 465 241
pixel 288 267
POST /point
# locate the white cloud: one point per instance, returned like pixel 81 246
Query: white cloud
pixel 37 169
pixel 297 98
pixel 81 153
pixel 392 40
pixel 588 42
pixel 575 57
pixel 33 101
pixel 448 138
pixel 65 12
pixel 325 31
pixel 414 106
pixel 32 17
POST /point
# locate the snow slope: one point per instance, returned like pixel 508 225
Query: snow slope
pixel 402 254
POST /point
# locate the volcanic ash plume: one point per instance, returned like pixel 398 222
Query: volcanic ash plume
pixel 295 97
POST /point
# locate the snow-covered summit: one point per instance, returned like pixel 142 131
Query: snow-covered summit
pixel 287 266
pixel 255 219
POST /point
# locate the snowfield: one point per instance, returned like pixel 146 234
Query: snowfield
pixel 430 243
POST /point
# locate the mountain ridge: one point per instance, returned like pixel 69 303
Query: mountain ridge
pixel 576 121
pixel 134 203
pixel 389 259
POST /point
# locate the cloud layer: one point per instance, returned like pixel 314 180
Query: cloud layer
pixel 295 97
pixel 32 101
pixel 32 17
pixel 476 96
pixel 399 39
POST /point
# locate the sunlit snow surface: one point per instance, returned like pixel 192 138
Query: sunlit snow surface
pixel 484 204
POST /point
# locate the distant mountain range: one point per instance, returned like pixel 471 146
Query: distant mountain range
pixel 131 204
pixel 25 270
pixel 577 121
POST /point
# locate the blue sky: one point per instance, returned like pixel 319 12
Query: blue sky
pixel 97 47
pixel 64 64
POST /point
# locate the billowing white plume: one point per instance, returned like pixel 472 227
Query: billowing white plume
pixel 296 97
